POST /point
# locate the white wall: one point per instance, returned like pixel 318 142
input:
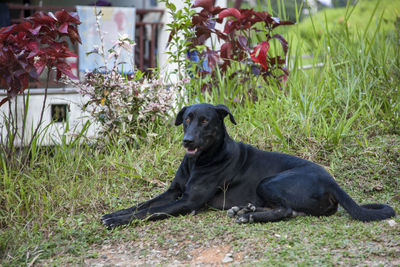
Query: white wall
pixel 75 116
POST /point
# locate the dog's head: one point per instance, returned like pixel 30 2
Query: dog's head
pixel 203 125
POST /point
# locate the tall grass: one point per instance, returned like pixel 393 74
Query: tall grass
pixel 355 94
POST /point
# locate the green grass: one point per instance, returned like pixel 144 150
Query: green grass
pixel 64 225
pixel 344 116
pixel 362 18
pixel 357 17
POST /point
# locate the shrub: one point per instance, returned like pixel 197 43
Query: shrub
pixel 245 41
pixel 34 44
pixel 126 106
pixel 26 50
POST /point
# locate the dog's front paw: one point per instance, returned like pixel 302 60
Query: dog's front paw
pixel 109 223
pixel 119 213
pixel 113 221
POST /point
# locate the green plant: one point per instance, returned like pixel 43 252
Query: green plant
pixel 245 39
pixel 244 48
pixel 181 35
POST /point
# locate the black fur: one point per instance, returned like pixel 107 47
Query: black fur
pixel 221 173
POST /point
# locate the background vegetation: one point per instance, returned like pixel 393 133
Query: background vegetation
pixel 342 113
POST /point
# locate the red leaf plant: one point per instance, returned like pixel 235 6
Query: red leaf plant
pixel 236 39
pixel 259 54
pixel 39 42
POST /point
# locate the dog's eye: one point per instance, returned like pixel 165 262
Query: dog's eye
pixel 204 121
pixel 187 120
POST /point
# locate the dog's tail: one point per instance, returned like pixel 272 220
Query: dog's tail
pixel 367 212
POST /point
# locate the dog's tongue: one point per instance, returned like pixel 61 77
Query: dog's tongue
pixel 191 151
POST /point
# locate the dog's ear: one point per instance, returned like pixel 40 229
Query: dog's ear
pixel 179 117
pixel 224 110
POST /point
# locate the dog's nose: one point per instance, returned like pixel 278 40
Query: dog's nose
pixel 188 141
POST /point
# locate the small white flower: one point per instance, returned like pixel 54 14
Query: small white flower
pixel 123 36
pixel 112 55
pixel 36 59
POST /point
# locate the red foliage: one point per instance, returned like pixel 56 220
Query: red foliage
pixel 236 38
pixel 232 12
pixel 40 41
pixel 259 54
pixel 206 4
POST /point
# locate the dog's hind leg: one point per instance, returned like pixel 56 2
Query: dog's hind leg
pixel 270 215
pixel 240 210
pixel 304 189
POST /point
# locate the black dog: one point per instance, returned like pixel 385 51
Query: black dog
pixel 221 173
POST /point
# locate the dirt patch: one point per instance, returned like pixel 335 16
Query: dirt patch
pixel 215 256
pixel 123 255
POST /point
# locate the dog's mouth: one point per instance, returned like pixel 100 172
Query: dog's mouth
pixel 191 151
